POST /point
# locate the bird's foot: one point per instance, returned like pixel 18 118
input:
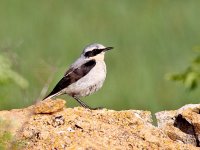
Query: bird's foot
pixel 85 105
pixel 97 108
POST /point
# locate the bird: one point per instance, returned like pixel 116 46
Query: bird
pixel 85 76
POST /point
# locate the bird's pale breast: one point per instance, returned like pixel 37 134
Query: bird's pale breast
pixel 90 83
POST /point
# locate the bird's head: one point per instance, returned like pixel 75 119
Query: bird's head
pixel 95 51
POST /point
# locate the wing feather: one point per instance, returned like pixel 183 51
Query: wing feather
pixel 73 75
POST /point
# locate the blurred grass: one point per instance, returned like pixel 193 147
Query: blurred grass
pixel 151 38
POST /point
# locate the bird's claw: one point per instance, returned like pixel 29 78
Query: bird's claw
pixel 97 108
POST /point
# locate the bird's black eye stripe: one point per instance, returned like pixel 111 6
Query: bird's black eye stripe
pixel 88 54
pixel 93 53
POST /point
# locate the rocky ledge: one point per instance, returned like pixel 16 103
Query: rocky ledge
pixel 49 125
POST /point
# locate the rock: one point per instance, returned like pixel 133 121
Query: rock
pixel 181 125
pixel 49 106
pixel 38 127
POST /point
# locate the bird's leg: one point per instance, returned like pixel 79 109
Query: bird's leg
pixel 81 102
pixel 85 105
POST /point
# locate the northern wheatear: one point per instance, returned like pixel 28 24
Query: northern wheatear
pixel 85 76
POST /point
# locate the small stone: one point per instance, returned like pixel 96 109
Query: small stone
pixel 27 134
pixel 49 106
pixel 58 121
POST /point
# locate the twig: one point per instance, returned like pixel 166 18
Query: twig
pixel 46 85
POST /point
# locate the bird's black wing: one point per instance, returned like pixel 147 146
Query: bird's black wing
pixel 73 76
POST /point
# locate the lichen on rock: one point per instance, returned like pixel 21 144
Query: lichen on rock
pixel 49 125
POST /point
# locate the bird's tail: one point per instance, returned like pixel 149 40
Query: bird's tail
pixel 49 96
pixel 52 94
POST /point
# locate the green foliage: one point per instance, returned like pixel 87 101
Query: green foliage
pixel 190 77
pixel 5 135
pixel 7 74
pixel 7 140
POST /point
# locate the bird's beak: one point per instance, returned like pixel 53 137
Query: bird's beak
pixel 108 48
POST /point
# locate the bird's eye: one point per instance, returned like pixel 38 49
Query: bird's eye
pixel 88 54
pixel 97 50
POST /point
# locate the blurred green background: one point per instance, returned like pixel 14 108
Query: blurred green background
pixel 151 38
